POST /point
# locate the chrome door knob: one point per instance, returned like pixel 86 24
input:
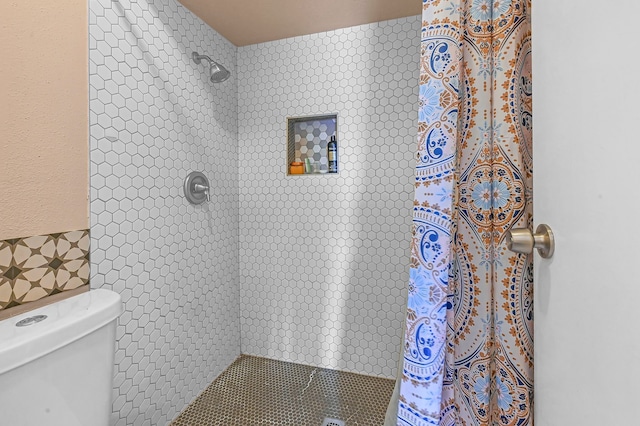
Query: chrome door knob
pixel 521 240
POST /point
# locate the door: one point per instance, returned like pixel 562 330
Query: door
pixel 586 74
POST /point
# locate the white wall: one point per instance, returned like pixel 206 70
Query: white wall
pixel 586 150
pixel 324 259
pixel 175 265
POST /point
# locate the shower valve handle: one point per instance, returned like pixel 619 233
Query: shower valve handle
pixel 202 188
pixel 522 240
pixel 196 188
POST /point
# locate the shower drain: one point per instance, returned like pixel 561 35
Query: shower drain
pixel 332 422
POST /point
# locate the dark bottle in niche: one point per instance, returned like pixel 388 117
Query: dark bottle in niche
pixel 332 155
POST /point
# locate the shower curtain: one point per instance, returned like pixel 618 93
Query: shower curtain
pixel 468 344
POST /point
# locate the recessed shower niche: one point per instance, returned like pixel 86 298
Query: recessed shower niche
pixel 312 144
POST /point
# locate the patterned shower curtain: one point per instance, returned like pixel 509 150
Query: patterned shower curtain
pixel 468 356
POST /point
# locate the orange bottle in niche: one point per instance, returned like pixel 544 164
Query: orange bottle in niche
pixel 296 168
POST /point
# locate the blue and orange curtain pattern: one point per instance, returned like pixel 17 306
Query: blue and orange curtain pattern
pixel 468 355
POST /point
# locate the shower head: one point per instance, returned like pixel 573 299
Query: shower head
pixel 217 72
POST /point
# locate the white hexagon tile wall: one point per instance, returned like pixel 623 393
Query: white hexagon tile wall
pixel 154 117
pixel 310 269
pixel 324 258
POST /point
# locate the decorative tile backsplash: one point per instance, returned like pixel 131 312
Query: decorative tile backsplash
pixel 35 267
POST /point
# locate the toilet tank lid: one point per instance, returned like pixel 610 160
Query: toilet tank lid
pixel 66 321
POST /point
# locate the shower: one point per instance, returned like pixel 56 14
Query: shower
pixel 310 268
pixel 217 72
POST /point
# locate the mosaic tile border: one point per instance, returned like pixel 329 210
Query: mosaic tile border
pixel 35 267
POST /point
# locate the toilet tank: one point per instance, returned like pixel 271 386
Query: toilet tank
pixel 57 368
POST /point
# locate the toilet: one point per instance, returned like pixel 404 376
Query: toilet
pixel 56 362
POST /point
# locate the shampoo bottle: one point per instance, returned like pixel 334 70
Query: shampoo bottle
pixel 332 155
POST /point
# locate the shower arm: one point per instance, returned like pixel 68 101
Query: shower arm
pixel 198 58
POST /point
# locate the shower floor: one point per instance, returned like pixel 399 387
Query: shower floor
pixel 259 391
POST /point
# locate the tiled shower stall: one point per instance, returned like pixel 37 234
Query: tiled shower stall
pixel 310 269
